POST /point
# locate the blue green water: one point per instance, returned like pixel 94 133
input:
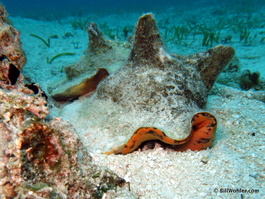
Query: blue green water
pixel 62 8
pixel 226 18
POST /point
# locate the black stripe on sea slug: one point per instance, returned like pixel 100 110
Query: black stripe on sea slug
pixel 132 144
pixel 207 131
pixel 206 114
pixel 194 127
pixel 155 134
pixel 137 131
pixel 212 125
pixel 163 133
pixel 176 141
pixel 203 140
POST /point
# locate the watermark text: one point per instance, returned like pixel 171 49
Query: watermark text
pixel 235 190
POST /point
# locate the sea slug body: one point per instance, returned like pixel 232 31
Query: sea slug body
pixel 203 129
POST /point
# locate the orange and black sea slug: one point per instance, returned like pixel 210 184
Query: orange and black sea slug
pixel 203 129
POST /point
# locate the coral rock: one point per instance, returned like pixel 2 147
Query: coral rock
pixel 12 56
pixel 39 159
pixel 10 45
pixel 48 159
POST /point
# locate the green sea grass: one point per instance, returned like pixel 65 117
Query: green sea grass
pixel 49 61
pixel 80 23
pixel 209 38
pixel 47 43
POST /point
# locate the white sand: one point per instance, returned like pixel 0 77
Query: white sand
pixel 235 161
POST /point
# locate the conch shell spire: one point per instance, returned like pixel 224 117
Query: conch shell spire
pixel 211 63
pixel 97 40
pixel 148 45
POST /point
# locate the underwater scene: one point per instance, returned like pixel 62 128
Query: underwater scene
pixel 132 99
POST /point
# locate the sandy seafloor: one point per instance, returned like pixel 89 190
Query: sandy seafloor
pixel 237 159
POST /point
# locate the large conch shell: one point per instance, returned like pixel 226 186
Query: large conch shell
pixel 152 79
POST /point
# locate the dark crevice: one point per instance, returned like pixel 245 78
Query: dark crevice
pixel 3 57
pixel 36 90
pixel 13 74
pixel 33 87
